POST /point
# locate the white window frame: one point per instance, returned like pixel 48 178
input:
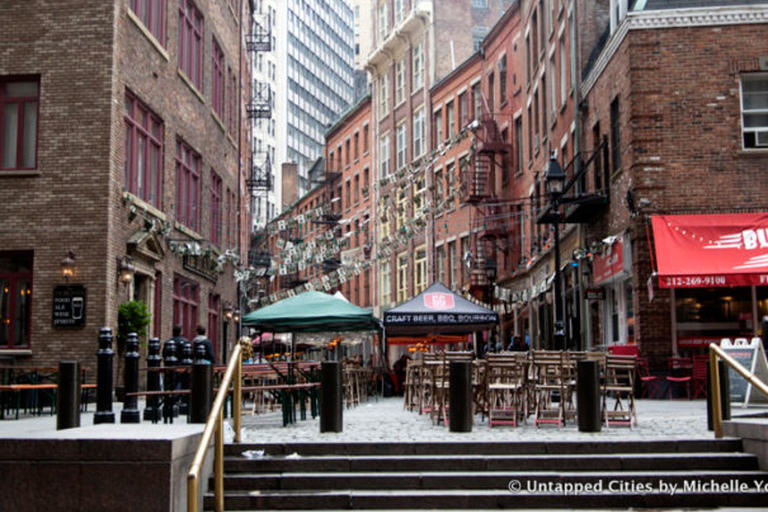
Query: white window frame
pixel 384 95
pixel 760 132
pixel 400 82
pixel 383 21
pixel 401 143
pixel 384 156
pixel 402 277
pixel 386 284
pixel 419 269
pixel 417 63
pixel 419 132
pixel 399 10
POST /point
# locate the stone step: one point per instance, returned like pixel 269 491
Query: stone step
pixel 489 448
pixel 479 499
pixel 472 463
pixel 486 480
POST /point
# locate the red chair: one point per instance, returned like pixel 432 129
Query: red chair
pixel 699 376
pixel 679 373
pixel 649 383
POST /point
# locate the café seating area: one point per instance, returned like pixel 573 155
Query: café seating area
pixel 511 388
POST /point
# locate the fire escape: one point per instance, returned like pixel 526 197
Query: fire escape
pixel 480 180
pixel 259 182
pixel 332 215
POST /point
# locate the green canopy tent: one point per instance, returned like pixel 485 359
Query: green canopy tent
pixel 312 312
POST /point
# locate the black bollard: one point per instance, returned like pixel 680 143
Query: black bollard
pixel 588 396
pixel 170 360
pixel 151 411
pixel 68 396
pixel 187 358
pixel 104 356
pixel 460 413
pixel 201 398
pixel 331 419
pixel 130 412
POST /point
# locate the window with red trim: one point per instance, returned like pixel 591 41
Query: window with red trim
pixel 143 151
pixel 15 299
pixel 188 164
pixel 213 322
pixel 152 14
pixel 19 103
pixel 185 301
pixel 191 42
pixel 217 80
pixel 215 208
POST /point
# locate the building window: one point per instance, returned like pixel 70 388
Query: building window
pixel 191 42
pixel 386 284
pixel 383 95
pixel 453 266
pixel 754 110
pixel 384 224
pixel 152 15
pixel 563 74
pixel 518 149
pixel 400 81
pixel 491 93
pixel 187 185
pixel 215 208
pixel 402 208
pixel 15 299
pixel 419 134
pixel 383 22
pixel 357 146
pixel 420 271
pixel 437 128
pixel 419 196
pixel 19 101
pixel 439 188
pixel 143 151
pixel 503 80
pixel 401 144
pixel 214 305
pixel 463 109
pixel 186 295
pixel 217 80
pixel 357 189
pixel 232 102
pixel 450 118
pixel 465 254
pixel 402 277
pixel 399 10
pixel 479 4
pixel 440 261
pixel 477 101
pixel 384 157
pixel 365 138
pixel 615 136
pixel 417 61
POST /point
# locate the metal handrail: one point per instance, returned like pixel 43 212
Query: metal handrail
pixel 216 422
pixel 717 410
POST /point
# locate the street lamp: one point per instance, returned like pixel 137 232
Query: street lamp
pixel 227 317
pixel 554 182
pixel 490 274
pixel 68 265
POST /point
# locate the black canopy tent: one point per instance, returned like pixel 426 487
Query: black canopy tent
pixel 438 310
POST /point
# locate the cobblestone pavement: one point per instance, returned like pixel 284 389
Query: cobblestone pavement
pixel 385 420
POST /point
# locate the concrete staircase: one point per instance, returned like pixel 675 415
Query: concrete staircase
pixel 389 476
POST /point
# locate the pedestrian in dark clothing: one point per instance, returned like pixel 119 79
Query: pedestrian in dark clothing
pixel 178 341
pixel 201 338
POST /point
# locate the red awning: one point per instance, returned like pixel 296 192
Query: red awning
pixel 703 251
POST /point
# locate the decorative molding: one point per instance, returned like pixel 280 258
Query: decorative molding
pixel 677 18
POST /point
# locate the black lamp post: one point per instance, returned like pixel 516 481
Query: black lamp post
pixel 554 182
pixel 490 274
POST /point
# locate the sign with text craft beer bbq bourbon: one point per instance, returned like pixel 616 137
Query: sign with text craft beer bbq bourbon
pixel 438 301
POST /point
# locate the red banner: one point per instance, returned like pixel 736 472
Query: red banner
pixel 704 251
pixel 607 265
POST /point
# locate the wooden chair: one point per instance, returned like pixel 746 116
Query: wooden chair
pixel 699 375
pixel 679 374
pixel 549 384
pixel 619 383
pixel 505 377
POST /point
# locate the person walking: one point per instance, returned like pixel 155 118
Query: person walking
pixel 201 338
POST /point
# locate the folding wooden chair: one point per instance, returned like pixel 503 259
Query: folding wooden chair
pixel 505 392
pixel 549 384
pixel 619 383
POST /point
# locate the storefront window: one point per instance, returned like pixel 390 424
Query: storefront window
pixel 710 314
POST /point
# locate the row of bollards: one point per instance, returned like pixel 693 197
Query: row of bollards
pixel 197 405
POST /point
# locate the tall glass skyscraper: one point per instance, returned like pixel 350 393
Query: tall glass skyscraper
pixel 312 84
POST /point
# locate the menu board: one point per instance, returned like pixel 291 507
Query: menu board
pixel 750 355
pixel 69 306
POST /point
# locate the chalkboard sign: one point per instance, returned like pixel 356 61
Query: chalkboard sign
pixel 751 355
pixel 69 306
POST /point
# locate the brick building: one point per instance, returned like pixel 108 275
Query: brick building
pixel 676 94
pixel 123 161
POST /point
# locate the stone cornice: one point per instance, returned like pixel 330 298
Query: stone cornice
pixel 674 18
